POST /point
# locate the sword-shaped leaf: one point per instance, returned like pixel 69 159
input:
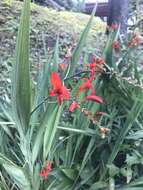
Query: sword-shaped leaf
pixel 21 73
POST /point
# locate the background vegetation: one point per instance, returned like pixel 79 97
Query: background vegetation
pixel 87 150
pixel 46 24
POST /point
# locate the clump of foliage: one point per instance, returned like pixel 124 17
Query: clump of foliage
pixel 79 126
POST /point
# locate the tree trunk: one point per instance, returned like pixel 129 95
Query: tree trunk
pixel 118 14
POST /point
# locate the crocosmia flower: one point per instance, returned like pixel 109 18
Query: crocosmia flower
pixel 86 86
pixel 59 90
pixel 95 66
pixel 46 170
pixel 95 99
pixel 73 106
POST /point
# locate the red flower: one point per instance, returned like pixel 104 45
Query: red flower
pixel 92 67
pixel 95 98
pixel 95 66
pixel 58 89
pixel 86 86
pixel 46 170
pixel 73 106
pixel 116 46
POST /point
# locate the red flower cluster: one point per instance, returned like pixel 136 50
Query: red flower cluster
pixel 62 93
pixel 46 170
pixel 95 66
pixel 87 85
pixel 59 90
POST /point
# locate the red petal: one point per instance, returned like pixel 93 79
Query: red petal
pixel 86 85
pixel 73 106
pixel 59 99
pixel 56 81
pixel 83 87
pixel 95 98
pixel 65 93
pixel 43 173
pixel 52 93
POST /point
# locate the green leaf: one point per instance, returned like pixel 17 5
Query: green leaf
pixel 86 132
pixel 108 51
pixel 136 182
pixel 55 61
pixel 21 74
pixel 98 185
pixel 130 188
pixel 132 116
pixel 16 173
pixel 136 135
pixel 113 170
pixel 80 45
pixel 48 121
pixel 50 131
pixel 132 159
pixel 70 173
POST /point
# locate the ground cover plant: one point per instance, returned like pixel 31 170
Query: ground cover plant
pixel 77 125
pixel 45 24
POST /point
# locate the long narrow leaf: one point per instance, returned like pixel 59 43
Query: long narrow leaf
pixel 51 129
pixel 18 174
pixel 80 45
pixel 50 112
pixel 21 73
